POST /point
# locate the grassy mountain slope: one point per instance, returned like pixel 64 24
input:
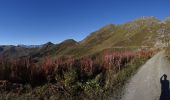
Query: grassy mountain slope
pixel 145 31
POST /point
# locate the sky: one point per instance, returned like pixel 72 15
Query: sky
pixel 39 21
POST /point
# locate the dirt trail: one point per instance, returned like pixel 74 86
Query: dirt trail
pixel 145 84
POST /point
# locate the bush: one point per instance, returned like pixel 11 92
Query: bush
pixel 90 77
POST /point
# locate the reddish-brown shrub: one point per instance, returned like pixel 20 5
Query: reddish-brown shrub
pixel 25 70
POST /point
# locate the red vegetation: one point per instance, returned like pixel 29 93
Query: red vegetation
pixel 25 70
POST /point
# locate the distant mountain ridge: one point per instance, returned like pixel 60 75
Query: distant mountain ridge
pixel 141 32
pixel 30 46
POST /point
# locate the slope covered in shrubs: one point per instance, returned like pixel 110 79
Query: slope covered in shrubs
pixel 89 77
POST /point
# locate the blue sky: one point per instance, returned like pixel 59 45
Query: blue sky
pixel 40 21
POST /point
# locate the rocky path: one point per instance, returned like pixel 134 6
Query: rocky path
pixel 145 84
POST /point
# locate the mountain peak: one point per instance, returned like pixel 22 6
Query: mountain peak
pixel 69 42
pixel 48 44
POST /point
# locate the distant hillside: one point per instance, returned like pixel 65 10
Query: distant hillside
pixel 142 32
pixel 30 46
pixel 14 51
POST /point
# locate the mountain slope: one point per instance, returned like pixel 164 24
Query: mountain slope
pixel 14 51
pixel 142 32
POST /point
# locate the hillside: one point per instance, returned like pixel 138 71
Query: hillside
pixel 96 67
pixel 142 32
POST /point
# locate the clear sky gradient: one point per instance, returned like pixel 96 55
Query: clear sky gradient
pixel 40 21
